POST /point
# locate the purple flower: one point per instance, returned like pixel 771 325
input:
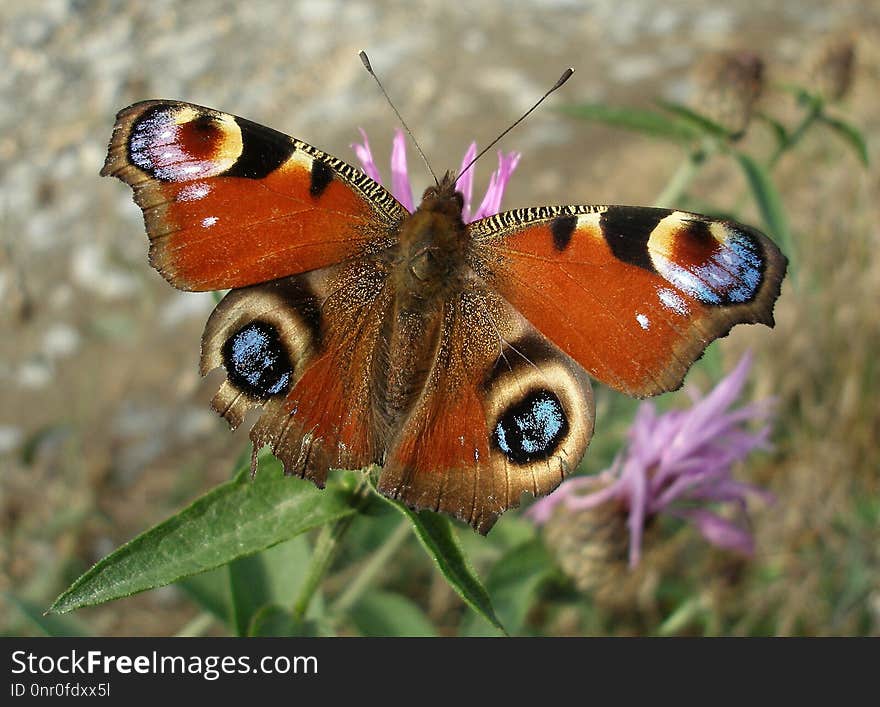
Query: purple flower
pixel 402 189
pixel 679 462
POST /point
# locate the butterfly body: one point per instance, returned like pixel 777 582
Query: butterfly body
pixel 453 354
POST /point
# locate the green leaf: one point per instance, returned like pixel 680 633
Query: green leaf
pixel 698 121
pixel 48 625
pixel 851 135
pixel 769 202
pixel 271 576
pixel 381 613
pixel 437 536
pixel 234 520
pixel 513 585
pixel 640 120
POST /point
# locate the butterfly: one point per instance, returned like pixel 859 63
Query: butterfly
pixel 456 356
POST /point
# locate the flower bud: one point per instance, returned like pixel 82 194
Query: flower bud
pixel 727 87
pixel 831 69
pixel 590 545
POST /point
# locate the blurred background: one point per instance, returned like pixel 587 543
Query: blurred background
pixel 105 427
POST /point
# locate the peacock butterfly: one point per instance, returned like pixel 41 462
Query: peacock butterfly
pixel 454 355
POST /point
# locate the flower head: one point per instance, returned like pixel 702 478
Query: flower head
pixel 832 68
pixel 403 191
pixel 728 85
pixel 679 463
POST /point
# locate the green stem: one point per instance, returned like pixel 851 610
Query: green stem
pixel 326 547
pixel 679 619
pixel 374 564
pixel 681 179
pixel 197 627
pixel 794 137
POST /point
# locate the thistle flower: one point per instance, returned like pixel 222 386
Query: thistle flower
pixel 678 463
pixel 728 85
pixel 403 191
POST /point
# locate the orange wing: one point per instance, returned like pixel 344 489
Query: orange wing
pixel 633 294
pixel 229 203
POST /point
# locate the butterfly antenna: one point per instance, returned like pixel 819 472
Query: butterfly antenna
pixel 369 67
pixel 566 75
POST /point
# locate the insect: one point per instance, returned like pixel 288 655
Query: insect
pixel 454 355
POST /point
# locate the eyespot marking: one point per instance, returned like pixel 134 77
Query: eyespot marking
pixel 256 361
pixel 179 144
pixel 713 262
pixel 531 429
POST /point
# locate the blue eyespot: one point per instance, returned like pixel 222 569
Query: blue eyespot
pixel 256 361
pixel 532 429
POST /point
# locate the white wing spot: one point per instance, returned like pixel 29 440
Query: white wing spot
pixel 672 300
pixel 643 321
pixel 193 192
pixel 209 221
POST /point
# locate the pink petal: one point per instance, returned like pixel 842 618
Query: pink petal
pixel 365 157
pixel 567 492
pixel 717 401
pixel 591 500
pixel 497 183
pixel 541 511
pixel 730 490
pixel 637 516
pixel 400 186
pixel 720 531
pixel 466 184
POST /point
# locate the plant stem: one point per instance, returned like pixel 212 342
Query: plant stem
pixel 679 619
pixel 794 137
pixel 681 179
pixel 197 626
pixel 371 568
pixel 326 547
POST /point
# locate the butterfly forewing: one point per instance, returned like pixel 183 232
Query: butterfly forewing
pixel 229 203
pixel 633 294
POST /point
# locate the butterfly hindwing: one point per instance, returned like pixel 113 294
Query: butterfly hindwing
pixel 633 294
pixel 502 412
pixel 229 203
pixel 303 349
